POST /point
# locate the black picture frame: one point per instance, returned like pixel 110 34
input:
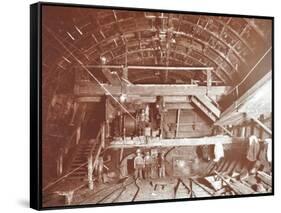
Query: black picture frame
pixel 36 11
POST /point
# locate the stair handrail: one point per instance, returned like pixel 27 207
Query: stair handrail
pixel 63 177
pixel 69 144
pixel 85 163
pixel 99 142
pixel 98 145
pixel 70 141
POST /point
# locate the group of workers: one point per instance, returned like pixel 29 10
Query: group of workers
pixel 149 165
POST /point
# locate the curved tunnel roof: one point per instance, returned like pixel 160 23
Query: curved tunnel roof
pixel 231 45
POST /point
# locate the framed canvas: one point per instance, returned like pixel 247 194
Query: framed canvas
pixel 133 105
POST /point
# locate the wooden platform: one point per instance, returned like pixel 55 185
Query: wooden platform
pixel 156 142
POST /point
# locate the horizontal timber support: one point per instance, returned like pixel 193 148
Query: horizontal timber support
pixel 207 102
pixel 93 89
pixel 264 127
pixel 223 139
pixel 138 67
pixel 137 98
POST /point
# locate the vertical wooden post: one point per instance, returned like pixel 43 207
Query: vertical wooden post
pixel 103 135
pixel 209 80
pixel 121 154
pixel 261 132
pixel 58 167
pixel 252 127
pixel 121 124
pixel 75 108
pixel 78 134
pixel 178 123
pixel 237 131
pixel 191 193
pixel 108 117
pixel 242 133
pixel 125 69
pixel 246 134
pixel 107 129
pixel 162 116
pixel 161 125
pixel 90 173
pixel 60 164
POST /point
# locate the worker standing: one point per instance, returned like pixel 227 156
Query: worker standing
pixel 138 164
pixel 99 168
pixel 142 123
pixel 161 164
pixel 147 133
pixel 154 166
pixel 148 164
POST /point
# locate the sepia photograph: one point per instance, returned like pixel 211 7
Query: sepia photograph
pixel 142 105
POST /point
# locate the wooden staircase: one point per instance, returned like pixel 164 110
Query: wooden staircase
pixel 80 159
pixel 204 103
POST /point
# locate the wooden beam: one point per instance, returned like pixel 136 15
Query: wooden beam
pixel 265 178
pixel 75 108
pixel 238 187
pixel 175 99
pixel 141 99
pixel 203 108
pixel 140 67
pixel 226 130
pixel 152 99
pixel 111 76
pixel 207 102
pixel 209 79
pixel 178 122
pixel 261 131
pixel 205 188
pixel 265 128
pixel 103 135
pixel 92 89
pixel 172 102
pixel 178 106
pixel 89 99
pixel 233 119
pixel 157 142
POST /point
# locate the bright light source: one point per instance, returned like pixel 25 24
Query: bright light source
pixel 79 31
pixel 68 33
pixel 103 59
pixel 123 98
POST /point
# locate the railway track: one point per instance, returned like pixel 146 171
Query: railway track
pixel 122 192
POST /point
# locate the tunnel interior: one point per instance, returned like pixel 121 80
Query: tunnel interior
pixel 187 92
